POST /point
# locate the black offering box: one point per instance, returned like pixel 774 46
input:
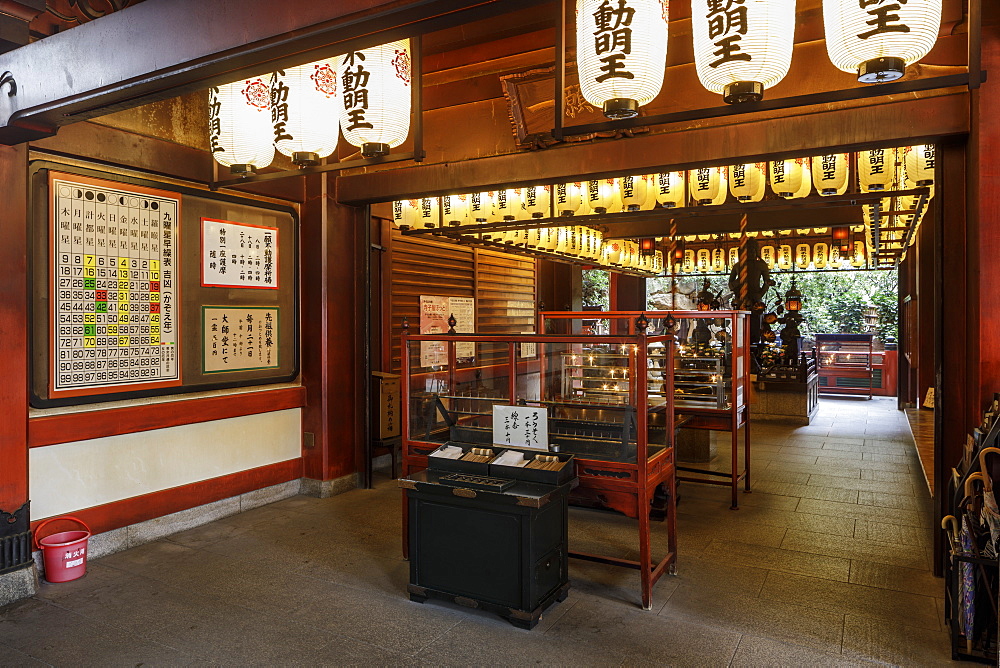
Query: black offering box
pixel 457 465
pixel 560 476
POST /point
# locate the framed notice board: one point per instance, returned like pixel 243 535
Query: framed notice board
pixel 142 288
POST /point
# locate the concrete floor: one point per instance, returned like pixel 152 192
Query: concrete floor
pixel 826 563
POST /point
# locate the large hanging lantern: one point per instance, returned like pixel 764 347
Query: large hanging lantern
pixel 455 209
pixel 405 212
pixel 670 189
pixel 621 53
pixel 718 259
pixel 508 204
pixel 734 256
pixel 704 260
pixel 481 207
pixel 918 165
pixel 858 257
pixel 375 114
pixel 634 191
pixel 830 173
pixel 768 255
pixel 784 260
pixel 428 213
pixel 569 198
pixel 305 104
pixel 877 169
pixel 803 256
pixel 742 48
pixel 746 181
pixel 239 122
pixel 791 179
pixel 821 255
pixel 689 262
pixel 602 196
pixel 877 39
pixel 708 185
pixel 537 201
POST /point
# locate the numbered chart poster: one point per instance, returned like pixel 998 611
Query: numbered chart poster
pixel 114 286
pixel 237 255
pixel 239 338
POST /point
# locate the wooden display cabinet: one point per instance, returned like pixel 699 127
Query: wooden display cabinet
pixel 846 363
pixel 622 441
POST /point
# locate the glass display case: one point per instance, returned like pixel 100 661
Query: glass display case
pixel 710 364
pixel 607 400
pixel 846 363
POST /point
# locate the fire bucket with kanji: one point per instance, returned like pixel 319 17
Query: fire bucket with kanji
pixel 64 554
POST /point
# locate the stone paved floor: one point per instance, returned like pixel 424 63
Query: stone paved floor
pixel 826 563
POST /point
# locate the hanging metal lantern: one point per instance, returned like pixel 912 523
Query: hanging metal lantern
pixel 746 181
pixel 803 256
pixel 671 190
pixel 793 298
pixel 791 179
pixel 239 122
pixel 537 201
pixel 741 49
pixel 621 53
pixel 877 39
pixel 877 169
pixel 375 114
pixel 918 164
pixel 305 104
pixel 634 191
pixel 821 255
pixel 830 173
pixel 455 209
pixel 708 185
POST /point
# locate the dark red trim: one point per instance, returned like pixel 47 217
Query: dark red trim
pixel 55 429
pixel 136 509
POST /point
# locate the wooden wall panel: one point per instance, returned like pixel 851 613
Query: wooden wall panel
pixel 505 293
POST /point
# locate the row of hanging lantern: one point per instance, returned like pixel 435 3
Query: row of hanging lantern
pixel 777 257
pixel 741 48
pixel 302 111
pixel 878 170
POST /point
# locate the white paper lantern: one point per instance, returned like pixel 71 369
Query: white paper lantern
pixel 704 260
pixel 601 196
pixel 537 201
pixel 918 164
pixel 305 103
pixel 375 114
pixel 708 185
pixel 621 53
pixel 769 256
pixel 821 255
pixel 481 207
pixel 428 214
pixel 858 257
pixel 742 48
pixel 455 209
pixel 508 204
pixel 830 173
pixel 734 256
pixel 569 198
pixel 239 122
pixel 746 181
pixel 877 169
pixel 718 259
pixel 633 191
pixel 548 237
pixel 791 179
pixel 784 260
pixel 405 213
pixel 689 263
pixel 671 190
pixel 803 256
pixel 836 261
pixel 878 39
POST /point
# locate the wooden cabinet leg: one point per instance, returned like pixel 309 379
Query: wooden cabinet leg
pixel 645 572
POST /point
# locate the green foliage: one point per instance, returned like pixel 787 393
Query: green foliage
pixel 596 284
pixel 835 302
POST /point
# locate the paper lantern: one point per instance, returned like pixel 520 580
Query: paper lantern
pixel 858 257
pixel 803 256
pixel 689 261
pixel 239 122
pixel 746 181
pixel 404 213
pixel 671 189
pixel 375 114
pixel 918 165
pixel 718 259
pixel 830 173
pixel 537 201
pixel 602 196
pixel 508 204
pixel 704 260
pixel 835 258
pixel 305 103
pixel 569 198
pixel 621 53
pixel 791 179
pixel 784 259
pixel 548 238
pixel 877 39
pixel 821 255
pixel 769 256
pixel 428 213
pixel 742 48
pixel 633 191
pixel 734 256
pixel 708 185
pixel 481 207
pixel 877 169
pixel 455 209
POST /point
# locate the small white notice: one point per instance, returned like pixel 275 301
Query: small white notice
pixel 529 349
pixel 521 427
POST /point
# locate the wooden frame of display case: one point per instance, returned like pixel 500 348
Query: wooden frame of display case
pixel 626 486
pixel 835 368
pixel 729 419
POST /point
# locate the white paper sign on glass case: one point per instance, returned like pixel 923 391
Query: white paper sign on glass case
pixel 521 427
pixel 238 255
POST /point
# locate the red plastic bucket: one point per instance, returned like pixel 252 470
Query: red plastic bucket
pixel 64 554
